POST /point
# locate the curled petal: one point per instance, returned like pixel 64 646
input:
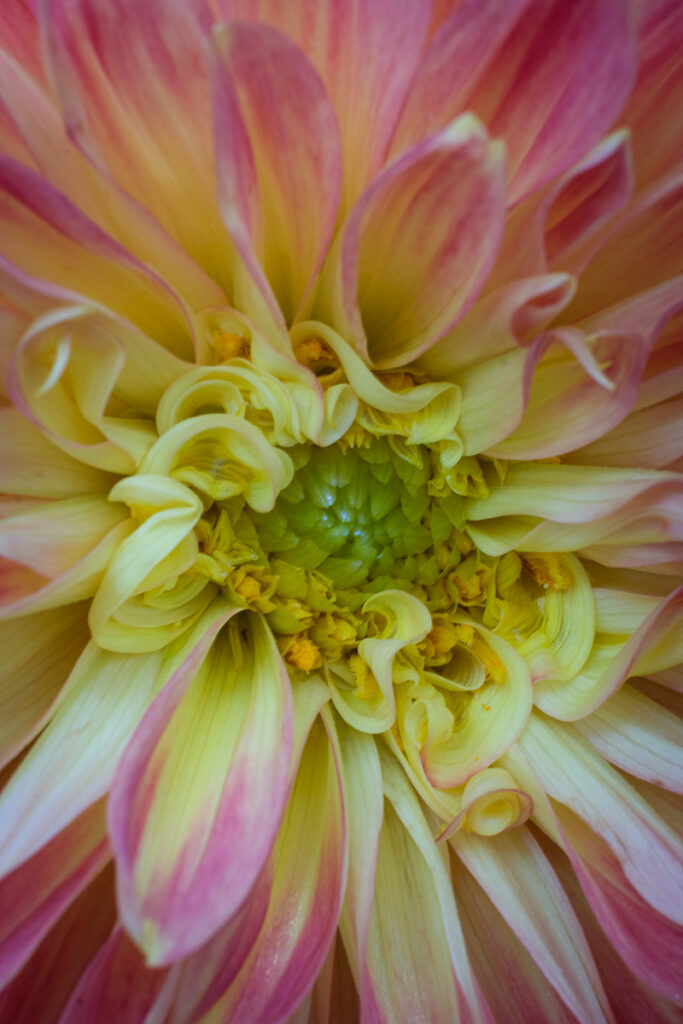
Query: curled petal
pixel 370 705
pixel 455 739
pixel 492 804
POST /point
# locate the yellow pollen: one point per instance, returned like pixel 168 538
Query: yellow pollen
pixel 443 637
pixel 249 588
pixel 231 346
pixel 313 353
pixel 548 571
pixel 302 653
pixel 472 589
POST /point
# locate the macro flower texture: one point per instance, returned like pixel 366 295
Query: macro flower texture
pixel 342 438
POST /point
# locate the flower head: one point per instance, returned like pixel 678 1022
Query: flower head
pixel 342 510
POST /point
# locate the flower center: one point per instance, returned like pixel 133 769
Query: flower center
pixel 354 514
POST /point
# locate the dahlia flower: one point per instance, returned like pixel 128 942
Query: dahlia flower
pixel 341 517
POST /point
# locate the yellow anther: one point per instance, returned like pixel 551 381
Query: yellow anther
pixel 548 571
pixel 302 653
pixel 316 355
pixel 465 634
pixel 443 636
pixel 248 588
pixel 231 346
pixel 472 590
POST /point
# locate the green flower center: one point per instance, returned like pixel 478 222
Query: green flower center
pixel 354 514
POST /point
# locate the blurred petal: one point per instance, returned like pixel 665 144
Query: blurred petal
pixel 34 895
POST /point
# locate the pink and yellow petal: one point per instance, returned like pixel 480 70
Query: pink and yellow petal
pixel 191 845
pixel 40 651
pixel 374 289
pixel 309 873
pixel 525 890
pixel 101 704
pixel 278 158
pixel 36 893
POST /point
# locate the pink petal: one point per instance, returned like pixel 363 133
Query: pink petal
pixel 367 94
pixel 133 84
pixel 501 320
pixel 657 96
pixel 39 992
pixel 520 882
pixel 636 252
pixel 117 986
pixel 515 986
pixel 19 35
pixel 279 159
pixel 575 775
pixel 199 793
pixel 308 885
pixel 631 1001
pixel 35 894
pixel 52 239
pixel 566 406
pixel 417 246
pixel 647 941
pixel 553 77
pixel 651 438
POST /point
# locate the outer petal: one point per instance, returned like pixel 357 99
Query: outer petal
pixel 522 885
pixel 638 736
pixel 39 653
pixel 134 89
pixel 574 774
pixel 279 159
pixel 367 94
pixel 308 885
pixel 417 246
pixel 551 85
pixel 415 919
pixel 117 986
pixel 34 895
pixel 72 763
pixel 40 990
pixel 32 466
pixel 190 844
pixel 47 236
